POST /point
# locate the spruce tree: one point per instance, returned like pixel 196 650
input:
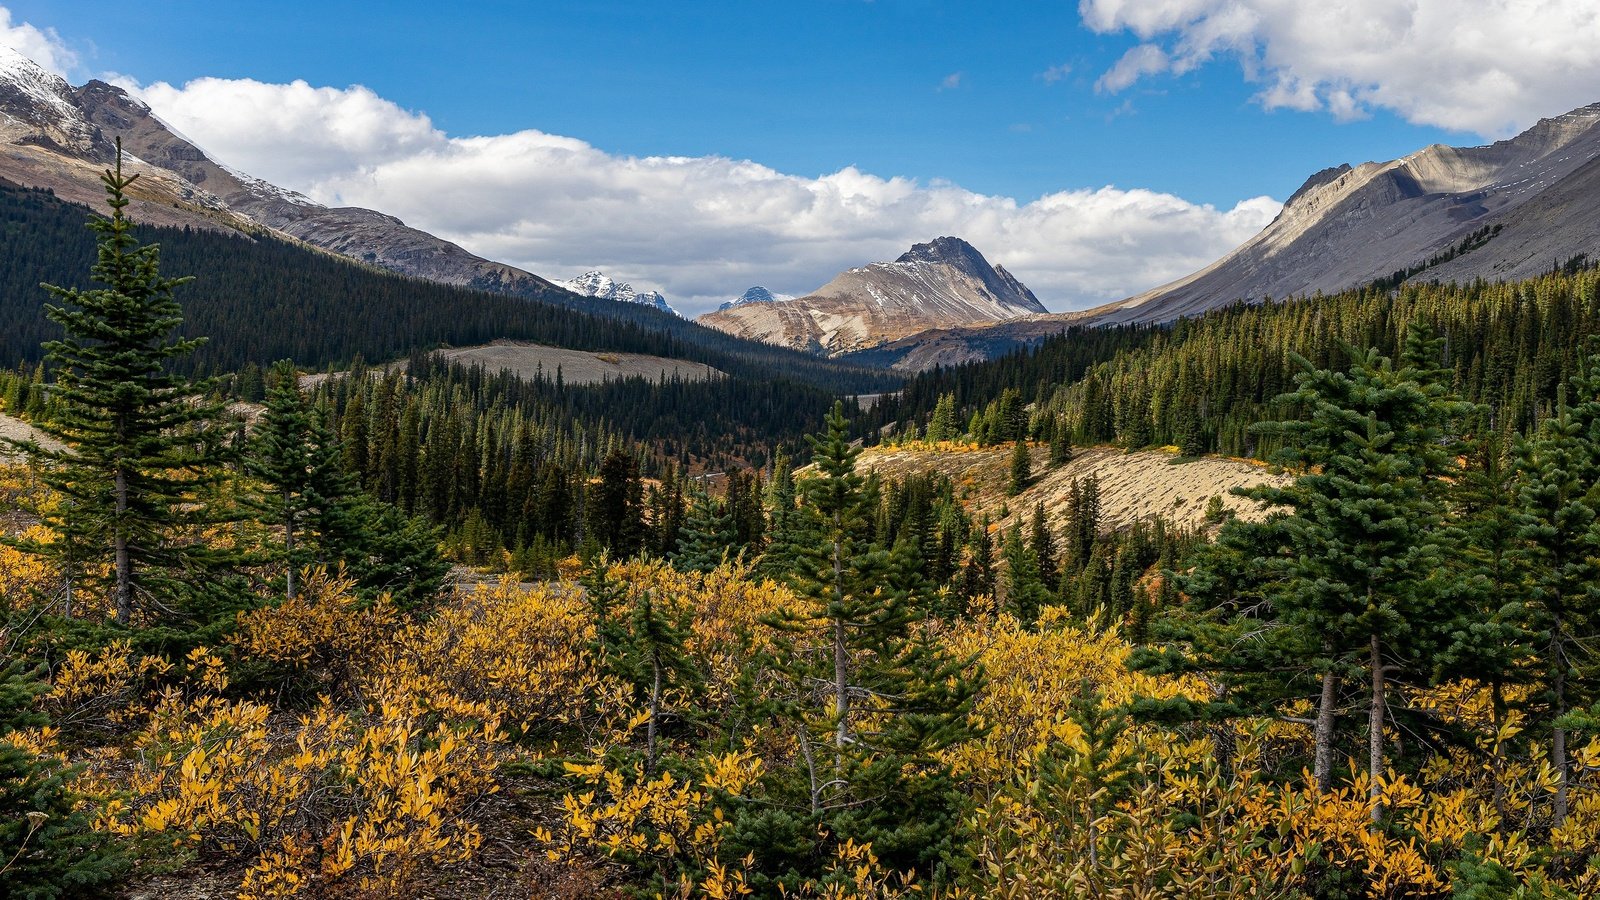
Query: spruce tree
pixel 142 448
pixel 707 535
pixel 1021 471
pixel 306 491
pixel 873 700
pixel 1559 540
pixel 1362 540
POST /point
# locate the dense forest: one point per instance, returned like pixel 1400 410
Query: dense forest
pixel 237 661
pixel 260 299
pixel 1201 384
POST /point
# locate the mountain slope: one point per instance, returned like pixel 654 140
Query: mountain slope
pixel 941 283
pixel 1350 226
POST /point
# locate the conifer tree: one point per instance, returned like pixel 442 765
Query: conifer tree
pixel 1021 471
pixel 872 702
pixel 1559 539
pixel 296 458
pixel 141 448
pixel 1043 544
pixel 1025 593
pixel 1361 543
pixel 707 536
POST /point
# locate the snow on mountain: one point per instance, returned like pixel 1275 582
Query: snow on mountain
pixel 756 294
pixel 598 284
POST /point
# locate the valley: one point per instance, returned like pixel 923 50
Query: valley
pixel 340 560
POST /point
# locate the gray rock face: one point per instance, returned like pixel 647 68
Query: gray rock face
pixel 1349 226
pixel 942 283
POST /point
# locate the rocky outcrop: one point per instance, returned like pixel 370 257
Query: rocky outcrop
pixel 942 283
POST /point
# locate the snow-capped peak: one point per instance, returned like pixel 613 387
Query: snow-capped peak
pixel 595 283
pixel 35 85
pixel 756 294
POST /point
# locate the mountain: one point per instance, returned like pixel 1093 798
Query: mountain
pixel 599 285
pixel 55 136
pixel 756 294
pixel 941 283
pixel 1504 211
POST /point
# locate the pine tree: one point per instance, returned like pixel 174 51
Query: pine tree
pixel 872 702
pixel 707 536
pixel 1021 469
pixel 141 449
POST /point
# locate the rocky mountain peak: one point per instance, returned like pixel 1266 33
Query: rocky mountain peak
pixel 948 250
pixel 595 283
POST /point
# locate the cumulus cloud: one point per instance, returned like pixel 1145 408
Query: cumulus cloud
pixel 43 46
pixel 950 82
pixel 699 229
pixel 1491 67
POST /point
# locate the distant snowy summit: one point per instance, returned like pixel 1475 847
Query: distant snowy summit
pixel 598 284
pixel 757 294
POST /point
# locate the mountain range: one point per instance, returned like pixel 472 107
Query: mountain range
pixel 1502 211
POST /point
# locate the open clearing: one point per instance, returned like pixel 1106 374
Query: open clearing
pixel 577 366
pixel 1143 484
pixel 14 429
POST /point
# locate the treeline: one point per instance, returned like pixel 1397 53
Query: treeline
pixel 1202 383
pixel 260 299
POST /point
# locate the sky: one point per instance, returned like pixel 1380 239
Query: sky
pixel 1095 149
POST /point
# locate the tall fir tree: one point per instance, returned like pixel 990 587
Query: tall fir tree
pixel 142 446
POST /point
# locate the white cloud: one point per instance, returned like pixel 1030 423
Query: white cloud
pixel 950 82
pixel 1138 62
pixel 700 229
pixel 43 46
pixel 1489 66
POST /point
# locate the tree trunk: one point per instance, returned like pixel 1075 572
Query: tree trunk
pixel 841 659
pixel 1375 717
pixel 1322 766
pixel 288 547
pixel 1558 736
pixel 123 559
pixel 655 713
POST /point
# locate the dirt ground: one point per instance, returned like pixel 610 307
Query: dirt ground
pixel 1133 486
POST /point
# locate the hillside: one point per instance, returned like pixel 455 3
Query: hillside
pixel 1134 486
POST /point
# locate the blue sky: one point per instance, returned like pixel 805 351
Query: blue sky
pixel 1009 101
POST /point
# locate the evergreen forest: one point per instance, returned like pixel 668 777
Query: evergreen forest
pixel 430 630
